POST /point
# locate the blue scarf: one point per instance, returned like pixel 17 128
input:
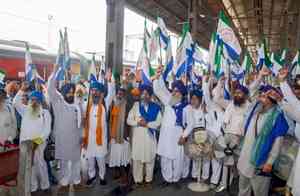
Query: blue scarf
pixel 266 138
pixel 151 114
pixel 178 108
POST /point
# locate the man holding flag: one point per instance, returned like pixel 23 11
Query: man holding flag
pixel 172 154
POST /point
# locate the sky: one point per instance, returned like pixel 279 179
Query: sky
pixel 28 20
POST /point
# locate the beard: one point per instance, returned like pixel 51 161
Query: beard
pixel 237 101
pixel 174 100
pixel 69 99
pixel 119 100
pixel 34 111
pixel 96 100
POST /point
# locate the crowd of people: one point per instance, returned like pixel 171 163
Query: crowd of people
pixel 130 127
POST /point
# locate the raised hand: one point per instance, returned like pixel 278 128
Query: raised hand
pixel 282 75
pixel 108 75
pixel 264 71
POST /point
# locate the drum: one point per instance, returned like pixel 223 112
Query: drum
pixel 199 144
pixel 284 163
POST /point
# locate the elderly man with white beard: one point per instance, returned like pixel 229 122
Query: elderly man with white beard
pixel 36 127
pixel 172 154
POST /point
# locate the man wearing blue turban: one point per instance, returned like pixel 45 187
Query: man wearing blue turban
pixel 36 127
pixel 232 124
pixel 172 154
pixel 68 133
pixel 264 128
pixel 95 134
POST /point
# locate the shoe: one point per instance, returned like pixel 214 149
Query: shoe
pixel 212 186
pixel 220 188
pixel 103 182
pixel 91 181
pixel 165 184
pixel 79 187
pixel 177 186
pixel 138 185
pixel 47 191
pixel 148 185
pixel 63 189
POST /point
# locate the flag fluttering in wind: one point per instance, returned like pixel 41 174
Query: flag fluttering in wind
pixel 169 61
pixel 2 76
pixel 283 55
pixel 198 55
pixel 60 73
pixel 184 56
pixel 163 33
pixel 263 56
pixel 153 44
pixel 143 63
pixel 93 71
pixel 67 57
pixel 296 64
pixel 237 72
pixel 31 73
pixel 219 60
pixel 260 57
pixel 226 34
pixel 212 50
pixel 277 63
pixel 247 63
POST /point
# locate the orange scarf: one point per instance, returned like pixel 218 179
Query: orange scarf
pixel 114 118
pixel 99 130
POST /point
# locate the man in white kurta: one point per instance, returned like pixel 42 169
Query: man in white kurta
pixel 36 127
pixel 233 123
pixel 214 118
pixel 172 154
pixel 8 122
pixel 291 106
pixel 95 132
pixel 194 116
pixel 68 133
pixel 144 144
pixel 264 120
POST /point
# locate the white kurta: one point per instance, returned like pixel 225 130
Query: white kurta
pixel 93 149
pixel 234 117
pixel 244 165
pixel 169 132
pixel 291 106
pixel 8 123
pixel 144 145
pixel 32 128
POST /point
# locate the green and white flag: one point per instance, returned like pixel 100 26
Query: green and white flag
pixel 2 76
pixel 219 60
pixel 181 63
pixel 247 63
pixel 283 55
pixel 277 64
pixel 296 64
pixel 227 35
pixel 212 50
pixel 143 62
pixel 154 44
